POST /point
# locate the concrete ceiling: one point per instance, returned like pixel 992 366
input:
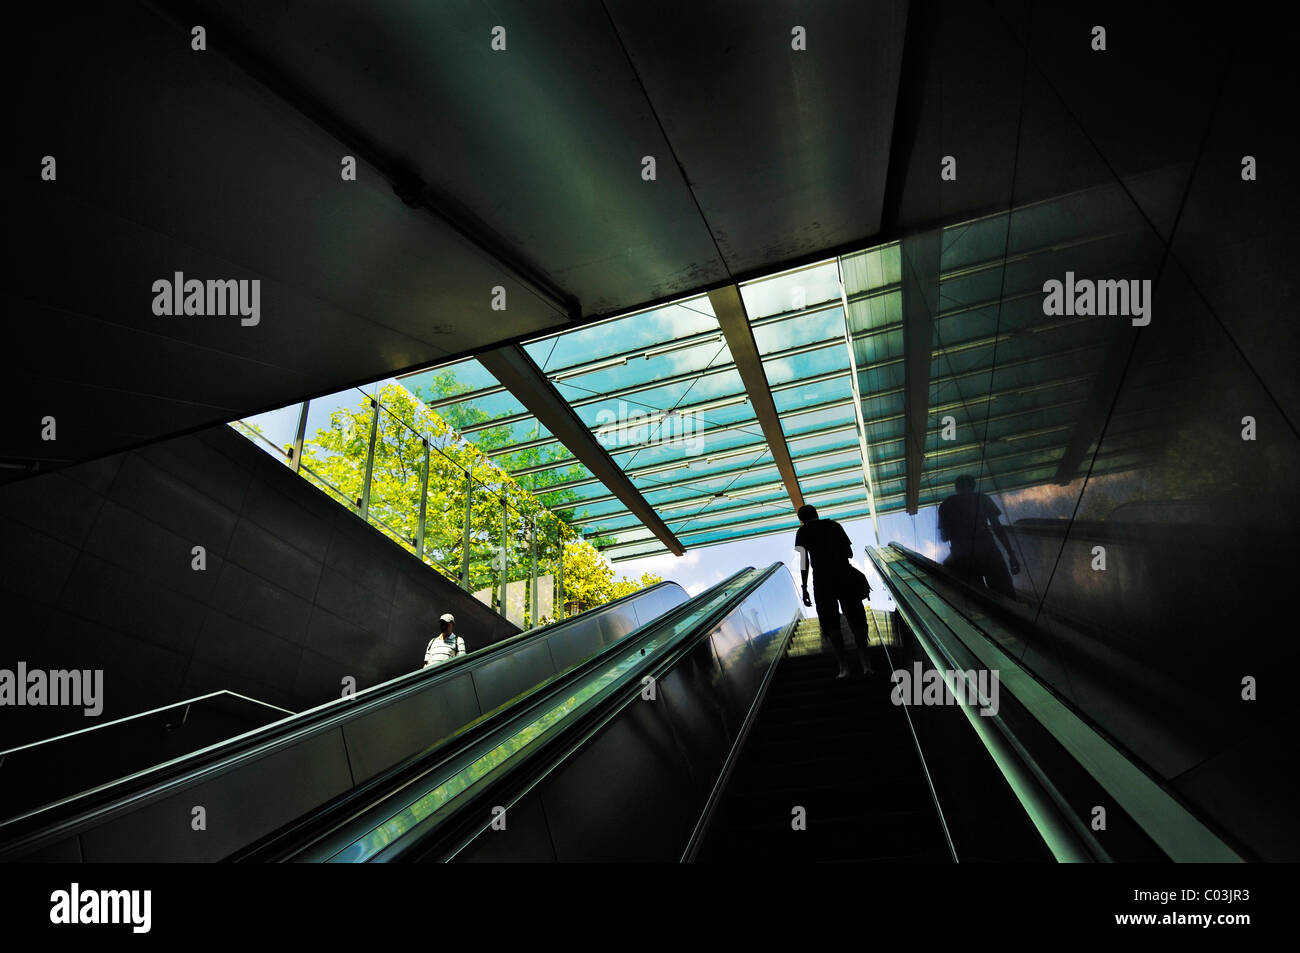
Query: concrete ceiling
pixel 478 169
pixel 527 162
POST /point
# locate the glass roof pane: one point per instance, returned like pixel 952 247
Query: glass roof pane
pixel 872 269
pixel 439 387
pixel 833 387
pixel 448 380
pixel 717 383
pixel 791 291
pixel 731 482
pixel 662 396
pixel 834 460
pixel 644 331
pixel 823 360
pixel 603 377
pixel 839 416
pixel 801 329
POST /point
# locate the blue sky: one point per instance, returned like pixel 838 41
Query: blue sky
pixel 703 566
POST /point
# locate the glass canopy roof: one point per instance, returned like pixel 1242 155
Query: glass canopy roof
pixel 1008 388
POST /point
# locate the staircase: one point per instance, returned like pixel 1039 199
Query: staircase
pixel 843 752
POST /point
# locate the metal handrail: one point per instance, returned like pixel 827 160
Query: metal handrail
pixel 350 823
pixel 144 784
pixel 1159 813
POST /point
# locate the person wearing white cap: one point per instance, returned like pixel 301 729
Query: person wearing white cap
pixel 446 644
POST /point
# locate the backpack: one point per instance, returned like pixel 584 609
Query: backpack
pixel 856 583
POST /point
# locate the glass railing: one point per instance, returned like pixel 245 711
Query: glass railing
pixel 383 454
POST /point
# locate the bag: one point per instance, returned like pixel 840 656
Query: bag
pixel 856 583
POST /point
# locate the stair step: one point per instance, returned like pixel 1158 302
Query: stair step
pixel 846 769
pixel 815 723
pixel 840 749
pixel 862 838
pixel 831 744
pixel 829 801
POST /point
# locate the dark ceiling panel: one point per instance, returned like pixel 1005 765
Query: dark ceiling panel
pixel 960 97
pixel 540 143
pixel 786 151
pixel 171 160
pixel 1144 101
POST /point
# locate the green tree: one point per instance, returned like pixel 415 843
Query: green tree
pixel 593 582
pixel 625 587
pixel 334 459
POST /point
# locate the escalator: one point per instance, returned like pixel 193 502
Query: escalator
pixel 718 733
pixel 715 734
pixel 839 755
pixel 128 789
pixel 615 760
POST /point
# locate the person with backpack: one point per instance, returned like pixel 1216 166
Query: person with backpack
pixel 836 583
pixel 446 645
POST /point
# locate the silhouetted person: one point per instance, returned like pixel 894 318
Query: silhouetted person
pixel 969 521
pixel 446 645
pixel 836 584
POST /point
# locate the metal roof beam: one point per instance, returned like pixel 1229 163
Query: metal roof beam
pixel 730 312
pixel 517 372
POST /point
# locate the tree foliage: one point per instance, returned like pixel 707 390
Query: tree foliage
pixel 593 582
pixel 506 520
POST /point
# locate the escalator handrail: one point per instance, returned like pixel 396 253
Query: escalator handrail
pixel 1066 636
pixel 731 762
pixel 1073 835
pixel 126 719
pixel 521 773
pixel 38 825
pixel 452 755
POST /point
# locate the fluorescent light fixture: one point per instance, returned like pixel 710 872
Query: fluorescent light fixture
pixel 719 404
pixel 681 346
pixel 742 452
pixel 756 490
pixel 590 368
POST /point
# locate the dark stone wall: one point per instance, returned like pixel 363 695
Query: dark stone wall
pixel 95 573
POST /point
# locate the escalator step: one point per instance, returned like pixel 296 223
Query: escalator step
pixel 786 784
pixel 825 699
pixel 844 752
pixel 865 837
pixel 828 703
pixel 829 801
pixel 847 768
pixel 830 745
pixel 935 857
pixel 814 723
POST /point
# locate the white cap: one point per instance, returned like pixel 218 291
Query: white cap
pixel 446 617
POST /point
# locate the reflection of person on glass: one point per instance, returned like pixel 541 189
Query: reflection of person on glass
pixel 969 520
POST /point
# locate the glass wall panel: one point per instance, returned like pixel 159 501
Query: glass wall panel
pixel 485 545
pixel 397 480
pixel 336 446
pixel 274 431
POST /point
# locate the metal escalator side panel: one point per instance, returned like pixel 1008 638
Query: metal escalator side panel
pixel 661 761
pixel 351 811
pixel 956 644
pixel 374 731
pixel 628 774
pixel 440 793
